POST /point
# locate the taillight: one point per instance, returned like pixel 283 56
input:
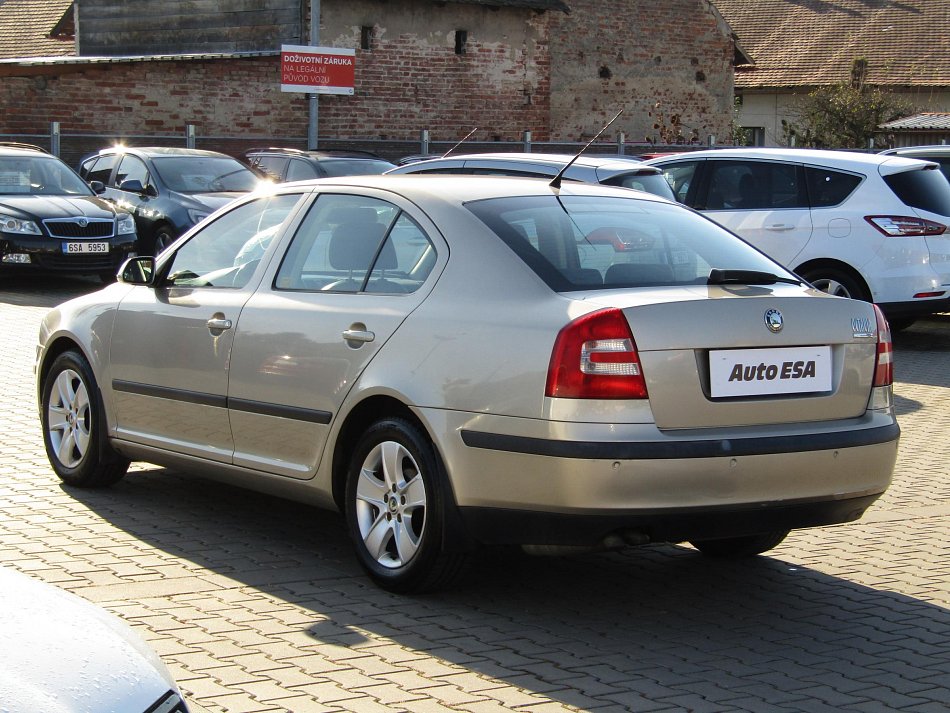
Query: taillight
pixel 899 226
pixel 595 357
pixel 884 364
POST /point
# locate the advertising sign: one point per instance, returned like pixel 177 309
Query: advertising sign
pixel 317 70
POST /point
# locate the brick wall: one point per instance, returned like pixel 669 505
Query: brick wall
pixel 612 54
pixel 558 75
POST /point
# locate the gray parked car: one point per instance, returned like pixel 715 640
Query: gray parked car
pixel 455 361
pixel 608 170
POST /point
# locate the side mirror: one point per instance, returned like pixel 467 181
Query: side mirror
pixel 132 185
pixel 98 187
pixel 137 270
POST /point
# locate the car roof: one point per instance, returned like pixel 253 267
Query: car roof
pixel 15 148
pixel 934 150
pixel 591 160
pixel 316 153
pixel 838 159
pixel 460 188
pixel 152 151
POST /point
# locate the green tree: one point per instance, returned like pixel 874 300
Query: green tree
pixel 845 115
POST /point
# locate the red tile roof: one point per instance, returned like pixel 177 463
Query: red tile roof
pixel 25 27
pixel 804 43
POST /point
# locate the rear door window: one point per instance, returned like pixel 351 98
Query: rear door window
pixel 353 243
pixel 273 166
pixel 754 185
pixel 300 170
pixel 926 189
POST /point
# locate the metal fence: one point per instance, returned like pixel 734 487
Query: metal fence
pixel 72 147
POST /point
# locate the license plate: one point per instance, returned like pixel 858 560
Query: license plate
pixel 73 248
pixel 767 372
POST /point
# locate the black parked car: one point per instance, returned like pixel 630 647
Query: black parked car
pixel 282 164
pixel 168 190
pixel 52 221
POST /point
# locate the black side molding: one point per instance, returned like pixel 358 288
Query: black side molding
pixel 193 397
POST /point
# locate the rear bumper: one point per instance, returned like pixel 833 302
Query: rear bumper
pixel 915 308
pixel 519 481
pixel 705 448
pixel 505 527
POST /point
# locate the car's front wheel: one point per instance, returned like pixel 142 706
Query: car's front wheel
pixel 74 423
pixel 745 546
pixel 164 237
pixel 395 509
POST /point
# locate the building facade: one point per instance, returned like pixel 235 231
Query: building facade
pixel 557 69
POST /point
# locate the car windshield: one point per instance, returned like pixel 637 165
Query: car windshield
pixel 354 166
pixel 39 176
pixel 592 242
pixel 205 174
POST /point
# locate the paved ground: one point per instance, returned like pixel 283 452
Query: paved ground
pixel 257 604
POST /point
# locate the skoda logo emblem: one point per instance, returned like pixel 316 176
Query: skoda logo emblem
pixel 773 320
pixel 82 222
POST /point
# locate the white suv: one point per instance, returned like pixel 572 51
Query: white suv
pixel 866 226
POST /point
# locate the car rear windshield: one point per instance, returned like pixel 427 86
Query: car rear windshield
pixel 591 242
pixel 651 183
pixel 926 189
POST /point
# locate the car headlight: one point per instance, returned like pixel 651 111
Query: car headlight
pixel 11 224
pixel 125 224
pixel 197 215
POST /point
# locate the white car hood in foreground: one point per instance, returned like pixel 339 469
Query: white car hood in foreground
pixel 61 654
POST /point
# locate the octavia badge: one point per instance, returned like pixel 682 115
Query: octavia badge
pixel 773 320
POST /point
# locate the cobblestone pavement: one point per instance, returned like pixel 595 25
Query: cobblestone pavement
pixel 257 604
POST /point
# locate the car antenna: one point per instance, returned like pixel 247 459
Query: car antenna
pixel 464 139
pixel 556 181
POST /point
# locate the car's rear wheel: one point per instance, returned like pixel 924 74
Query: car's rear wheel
pixel 74 425
pixel 395 509
pixel 745 546
pixel 837 282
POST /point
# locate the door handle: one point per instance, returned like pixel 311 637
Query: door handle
pixel 779 227
pixel 218 323
pixel 358 335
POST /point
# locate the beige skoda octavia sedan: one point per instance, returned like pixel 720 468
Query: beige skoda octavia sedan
pixel 464 361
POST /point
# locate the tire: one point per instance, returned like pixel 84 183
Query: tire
pixel 74 425
pixel 163 238
pixel 746 546
pixel 395 509
pixel 837 282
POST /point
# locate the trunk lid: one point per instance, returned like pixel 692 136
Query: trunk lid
pixel 710 359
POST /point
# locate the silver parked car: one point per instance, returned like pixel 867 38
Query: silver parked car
pixel 608 170
pixel 459 361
